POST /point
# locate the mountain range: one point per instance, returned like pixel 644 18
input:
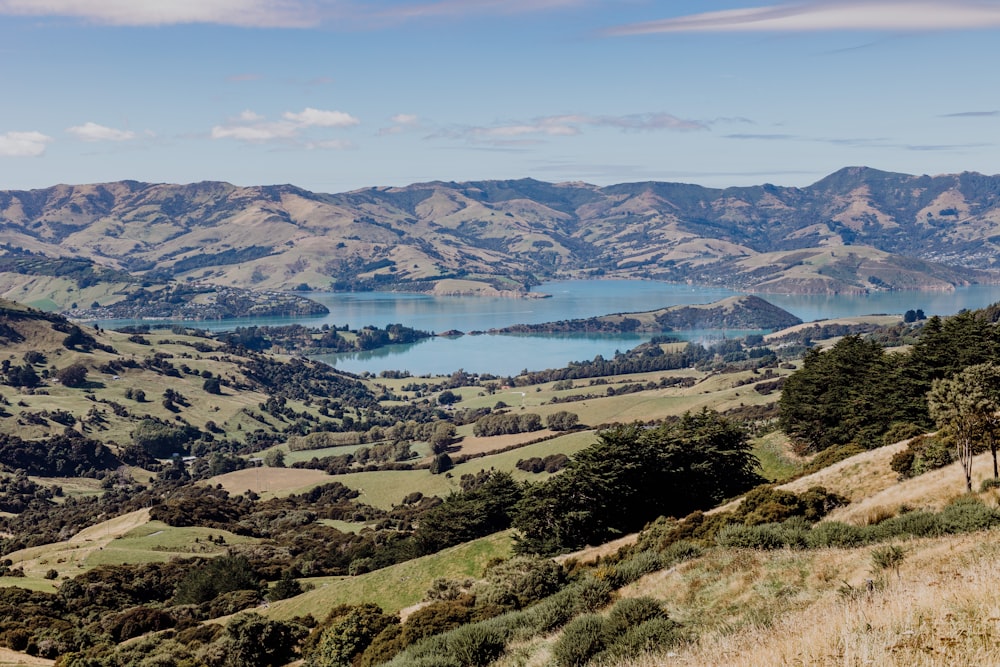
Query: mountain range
pixel 856 230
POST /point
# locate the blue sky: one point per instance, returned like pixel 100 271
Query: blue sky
pixel 333 96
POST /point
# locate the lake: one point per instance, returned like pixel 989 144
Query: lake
pixel 572 299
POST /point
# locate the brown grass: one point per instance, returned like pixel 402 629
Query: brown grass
pixel 270 482
pixel 943 609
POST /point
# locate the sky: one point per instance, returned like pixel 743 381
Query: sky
pixel 334 95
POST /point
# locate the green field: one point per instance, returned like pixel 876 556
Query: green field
pixel 394 588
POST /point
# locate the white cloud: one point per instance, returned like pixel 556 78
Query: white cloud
pixel 94 132
pixel 569 125
pixel 310 117
pixel 831 15
pixel 23 144
pixel 405 119
pixel 244 13
pixel 251 127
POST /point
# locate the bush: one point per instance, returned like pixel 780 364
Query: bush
pixel 519 581
pixel 656 634
pixel 475 645
pixel 835 534
pixel 639 564
pixel 915 524
pixel 629 613
pixel 989 483
pixel 766 536
pixel 966 514
pixel 581 639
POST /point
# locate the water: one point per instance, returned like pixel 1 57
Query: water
pixel 574 299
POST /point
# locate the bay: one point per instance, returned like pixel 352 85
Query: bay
pixel 572 299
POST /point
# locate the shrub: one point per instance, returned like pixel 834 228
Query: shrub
pixel 889 557
pixel 765 536
pixel 966 514
pixel 582 639
pixel 629 613
pixel 989 483
pixel 835 534
pixel 915 524
pixel 519 581
pixel 475 645
pixel 639 564
pixel 656 634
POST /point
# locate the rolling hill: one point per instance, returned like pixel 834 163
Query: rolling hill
pixel 856 230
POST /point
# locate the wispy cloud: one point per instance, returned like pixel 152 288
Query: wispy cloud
pixel 825 15
pixel 251 127
pixel 365 14
pixel 971 114
pixel 23 144
pixel 244 13
pixel 401 122
pixel 465 8
pixel 857 142
pixel 569 125
pixel 93 132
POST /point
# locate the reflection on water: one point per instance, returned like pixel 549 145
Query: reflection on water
pixel 573 299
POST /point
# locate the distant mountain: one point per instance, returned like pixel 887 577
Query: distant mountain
pixel 858 229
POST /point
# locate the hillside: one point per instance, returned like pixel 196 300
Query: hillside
pixel 856 230
pixel 409 492
pixel 742 312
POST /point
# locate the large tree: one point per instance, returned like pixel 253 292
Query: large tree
pixel 634 474
pixel 966 405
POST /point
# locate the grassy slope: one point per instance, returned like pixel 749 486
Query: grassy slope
pixel 399 586
pixel 756 608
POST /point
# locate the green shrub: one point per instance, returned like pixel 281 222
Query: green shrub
pixel 835 534
pixel 889 557
pixel 634 567
pixel 989 483
pixel 654 635
pixel 475 645
pixel 765 537
pixel 581 639
pixel 519 581
pixel 915 524
pixel 681 550
pixel 629 613
pixel 967 514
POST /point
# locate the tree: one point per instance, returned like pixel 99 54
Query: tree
pixel 212 385
pixel 448 397
pixel 442 436
pixel 254 641
pixel 346 637
pixel 442 463
pixel 632 475
pixel 74 375
pixel 967 405
pixel 562 420
pixel 275 458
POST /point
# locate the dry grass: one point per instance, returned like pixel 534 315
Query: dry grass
pixel 858 477
pixel 10 658
pixel 932 490
pixel 943 609
pixel 270 482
